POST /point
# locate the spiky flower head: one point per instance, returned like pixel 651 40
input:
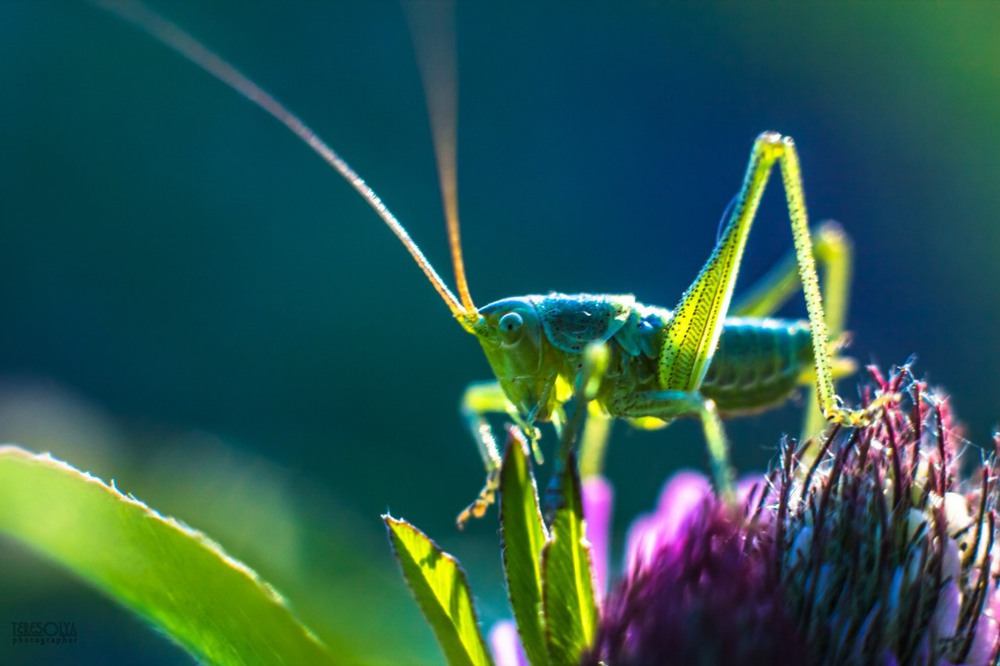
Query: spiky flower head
pixel 865 547
pixel 888 551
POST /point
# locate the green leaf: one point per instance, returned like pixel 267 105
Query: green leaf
pixel 523 535
pixel 171 575
pixel 567 577
pixel 442 592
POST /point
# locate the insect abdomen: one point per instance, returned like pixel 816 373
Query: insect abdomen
pixel 758 363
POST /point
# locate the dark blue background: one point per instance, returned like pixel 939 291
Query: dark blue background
pixel 174 262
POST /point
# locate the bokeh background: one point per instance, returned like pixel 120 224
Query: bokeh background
pixel 196 306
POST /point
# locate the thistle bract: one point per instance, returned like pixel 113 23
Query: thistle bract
pixel 887 553
pixel 867 547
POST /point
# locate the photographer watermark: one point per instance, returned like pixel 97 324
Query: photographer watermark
pixel 43 633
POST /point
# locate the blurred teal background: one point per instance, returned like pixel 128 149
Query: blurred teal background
pixel 196 306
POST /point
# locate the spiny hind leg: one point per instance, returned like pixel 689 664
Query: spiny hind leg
pixel 832 248
pixel 830 404
pixel 692 333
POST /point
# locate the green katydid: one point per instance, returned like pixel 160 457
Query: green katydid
pixel 659 364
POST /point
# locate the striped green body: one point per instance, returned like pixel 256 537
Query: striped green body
pixel 758 362
pixel 757 365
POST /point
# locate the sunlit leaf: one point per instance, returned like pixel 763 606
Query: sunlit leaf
pixel 442 592
pixel 523 535
pixel 567 577
pixel 169 574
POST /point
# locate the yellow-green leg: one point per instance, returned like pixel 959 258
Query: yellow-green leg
pixel 484 398
pixel 596 432
pixel 480 399
pixel 669 405
pixel 832 248
pixel 581 421
pixel 692 333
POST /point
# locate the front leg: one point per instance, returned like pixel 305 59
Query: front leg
pixel 585 421
pixel 480 399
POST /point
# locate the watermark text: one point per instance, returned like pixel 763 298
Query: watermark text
pixel 43 633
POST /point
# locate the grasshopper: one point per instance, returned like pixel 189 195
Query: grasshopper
pixel 659 364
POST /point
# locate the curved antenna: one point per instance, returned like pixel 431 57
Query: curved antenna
pixel 432 26
pixel 171 35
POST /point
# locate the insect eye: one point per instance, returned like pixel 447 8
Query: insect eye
pixel 510 326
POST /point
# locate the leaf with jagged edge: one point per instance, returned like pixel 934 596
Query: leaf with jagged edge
pixel 523 535
pixel 175 577
pixel 568 605
pixel 438 584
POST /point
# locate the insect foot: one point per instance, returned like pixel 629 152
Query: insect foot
pixel 861 418
pixel 487 497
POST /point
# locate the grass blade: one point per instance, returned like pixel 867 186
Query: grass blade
pixel 171 575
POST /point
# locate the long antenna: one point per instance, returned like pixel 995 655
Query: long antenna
pixel 432 25
pixel 173 36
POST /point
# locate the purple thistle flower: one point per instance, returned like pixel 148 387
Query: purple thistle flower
pixel 887 557
pixel 869 551
pixel 700 588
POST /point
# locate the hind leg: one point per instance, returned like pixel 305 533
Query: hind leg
pixel 670 405
pixel 832 249
pixel 692 334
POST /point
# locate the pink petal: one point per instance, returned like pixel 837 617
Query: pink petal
pixel 682 498
pixel 682 494
pixel 598 499
pixel 506 645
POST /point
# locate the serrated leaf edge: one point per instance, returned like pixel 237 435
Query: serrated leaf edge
pixel 538 655
pixel 392 523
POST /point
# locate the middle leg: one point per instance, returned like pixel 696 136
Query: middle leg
pixel 670 405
